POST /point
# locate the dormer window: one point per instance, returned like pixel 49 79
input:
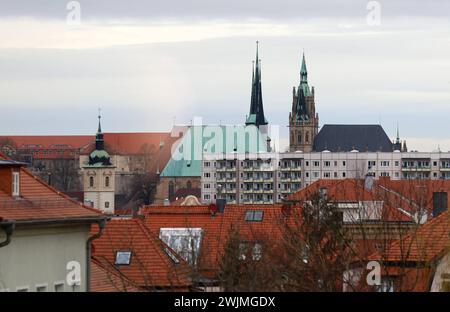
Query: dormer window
pixel 16 183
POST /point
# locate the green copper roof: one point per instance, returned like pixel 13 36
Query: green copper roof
pixel 214 139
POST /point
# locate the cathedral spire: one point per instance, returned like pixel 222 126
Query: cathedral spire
pixel 256 116
pixel 303 71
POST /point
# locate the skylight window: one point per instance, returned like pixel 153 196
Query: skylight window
pixel 123 257
pixel 254 215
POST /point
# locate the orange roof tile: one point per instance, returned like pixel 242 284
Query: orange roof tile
pixel 106 278
pixel 150 266
pixel 39 201
pixel 215 228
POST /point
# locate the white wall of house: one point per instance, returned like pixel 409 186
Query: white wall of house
pixel 37 258
pixel 442 269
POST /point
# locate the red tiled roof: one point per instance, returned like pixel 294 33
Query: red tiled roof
pixel 106 278
pixel 118 143
pixel 401 198
pixel 39 201
pixel 215 228
pixel 150 265
pixel 429 241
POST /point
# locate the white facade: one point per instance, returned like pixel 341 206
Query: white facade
pixel 268 179
pixel 99 186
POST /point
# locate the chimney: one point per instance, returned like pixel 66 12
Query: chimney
pixel 439 203
pixel 220 204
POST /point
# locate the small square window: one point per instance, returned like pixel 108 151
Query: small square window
pixel 254 215
pixel 123 257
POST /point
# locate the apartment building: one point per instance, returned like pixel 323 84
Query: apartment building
pixel 267 178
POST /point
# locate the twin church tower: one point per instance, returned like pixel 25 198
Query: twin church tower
pixel 303 119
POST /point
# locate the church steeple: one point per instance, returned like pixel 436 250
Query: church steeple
pixel 256 116
pixel 303 120
pixel 99 157
pixel 303 71
pixel 99 141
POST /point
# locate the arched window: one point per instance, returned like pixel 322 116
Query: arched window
pixel 188 185
pixel 299 138
pixel 307 137
pixel 171 189
pixel 91 181
pixel 106 181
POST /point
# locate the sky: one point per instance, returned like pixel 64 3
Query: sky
pixel 151 64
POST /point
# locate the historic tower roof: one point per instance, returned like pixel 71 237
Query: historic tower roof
pixel 256 116
pixel 303 90
pixel 99 157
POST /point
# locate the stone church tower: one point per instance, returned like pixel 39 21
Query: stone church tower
pixel 303 119
pixel 99 177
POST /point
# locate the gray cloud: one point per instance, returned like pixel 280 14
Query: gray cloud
pixel 222 9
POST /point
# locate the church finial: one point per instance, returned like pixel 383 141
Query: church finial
pixel 398 134
pixel 99 130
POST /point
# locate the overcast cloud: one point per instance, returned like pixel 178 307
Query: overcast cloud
pixel 149 63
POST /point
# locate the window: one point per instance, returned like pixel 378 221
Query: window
pixel 123 257
pixel 22 289
pixel 343 174
pixel 371 163
pixel 384 163
pixel 207 175
pixel 41 288
pixel 256 251
pixel 206 197
pixel 171 189
pixel 307 163
pixel 254 215
pixel 326 175
pixel 207 185
pixel 189 185
pixel 91 181
pixel 207 164
pixel 106 181
pixel 327 163
pixel 184 241
pixel 107 204
pixel 316 164
pixel 387 285
pixel 16 183
pixel 397 163
pixel 59 287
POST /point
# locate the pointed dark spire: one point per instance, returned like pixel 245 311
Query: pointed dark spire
pixel 303 71
pixel 256 116
pixel 99 130
pixel 99 142
pixel 303 91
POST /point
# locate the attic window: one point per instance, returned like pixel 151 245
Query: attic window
pixel 123 257
pixel 184 241
pixel 15 183
pixel 254 215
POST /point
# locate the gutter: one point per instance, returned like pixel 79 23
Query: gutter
pixel 8 228
pixel 101 224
